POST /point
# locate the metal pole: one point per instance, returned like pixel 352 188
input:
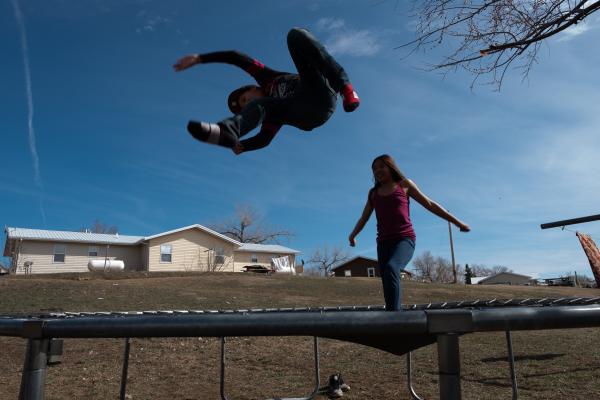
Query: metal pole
pixel 125 368
pixel 452 252
pixel 222 385
pixel 317 367
pixel 573 221
pixel 449 366
pixel 411 389
pixel 33 378
pixel 511 361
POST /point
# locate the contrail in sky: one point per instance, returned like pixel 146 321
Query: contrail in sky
pixel 32 147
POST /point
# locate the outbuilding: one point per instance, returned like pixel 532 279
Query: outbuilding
pixel 505 278
pixel 360 266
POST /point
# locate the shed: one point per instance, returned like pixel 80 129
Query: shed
pixel 506 278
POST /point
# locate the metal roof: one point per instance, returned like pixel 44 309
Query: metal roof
pixel 501 273
pixel 266 248
pixel 103 238
pixel 195 226
pixel 67 236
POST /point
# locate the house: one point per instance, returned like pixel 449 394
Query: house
pixel 360 266
pixel 4 270
pixel 505 278
pixel 190 248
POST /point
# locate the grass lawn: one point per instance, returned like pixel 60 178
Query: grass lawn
pixel 555 364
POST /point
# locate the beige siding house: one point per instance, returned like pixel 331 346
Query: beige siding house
pixel 191 248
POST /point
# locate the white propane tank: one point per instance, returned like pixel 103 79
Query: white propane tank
pixel 106 265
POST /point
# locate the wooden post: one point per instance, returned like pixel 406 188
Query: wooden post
pixel 452 252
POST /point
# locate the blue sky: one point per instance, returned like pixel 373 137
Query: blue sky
pixel 108 137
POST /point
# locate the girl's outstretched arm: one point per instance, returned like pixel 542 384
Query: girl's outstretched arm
pixel 433 207
pixel 366 214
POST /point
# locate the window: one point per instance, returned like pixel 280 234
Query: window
pixel 60 250
pixel 254 258
pixel 166 252
pixel 370 272
pixel 93 251
pixel 219 255
pixel 347 273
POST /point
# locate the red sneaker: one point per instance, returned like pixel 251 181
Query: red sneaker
pixel 351 100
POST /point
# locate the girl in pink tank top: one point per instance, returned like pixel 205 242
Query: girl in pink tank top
pixel 390 198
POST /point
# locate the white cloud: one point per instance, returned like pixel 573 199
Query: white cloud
pixel 330 24
pixel 31 132
pixel 573 32
pixel 354 43
pixel 341 40
pixel 151 22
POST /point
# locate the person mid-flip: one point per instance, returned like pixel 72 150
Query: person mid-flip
pixel 305 100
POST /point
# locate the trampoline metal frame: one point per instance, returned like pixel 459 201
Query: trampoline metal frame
pixel 398 333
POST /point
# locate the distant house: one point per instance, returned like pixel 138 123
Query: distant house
pixel 504 278
pixel 190 248
pixel 360 266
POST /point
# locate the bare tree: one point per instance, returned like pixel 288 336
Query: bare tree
pixel 443 270
pixel 325 258
pixel 498 269
pixel 100 227
pixel 486 36
pixel 482 270
pixel 435 269
pixel 215 260
pixel 15 254
pixel 248 226
pixel 425 266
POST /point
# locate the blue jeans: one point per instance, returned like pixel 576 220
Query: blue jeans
pixel 393 257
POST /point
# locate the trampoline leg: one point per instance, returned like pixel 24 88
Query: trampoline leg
pixel 317 372
pixel 317 369
pixel 413 394
pixel 223 341
pixel 511 361
pixel 125 369
pixel 33 378
pixel 449 366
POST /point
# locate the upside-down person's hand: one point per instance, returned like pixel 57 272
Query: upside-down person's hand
pixel 238 148
pixel 187 61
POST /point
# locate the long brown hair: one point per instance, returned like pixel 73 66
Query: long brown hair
pixel 397 175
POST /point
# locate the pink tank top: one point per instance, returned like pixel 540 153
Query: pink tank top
pixel 393 216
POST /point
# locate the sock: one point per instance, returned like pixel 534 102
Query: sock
pixel 351 100
pixel 211 133
pixel 204 131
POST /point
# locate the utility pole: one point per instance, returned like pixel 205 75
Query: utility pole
pixel 452 252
